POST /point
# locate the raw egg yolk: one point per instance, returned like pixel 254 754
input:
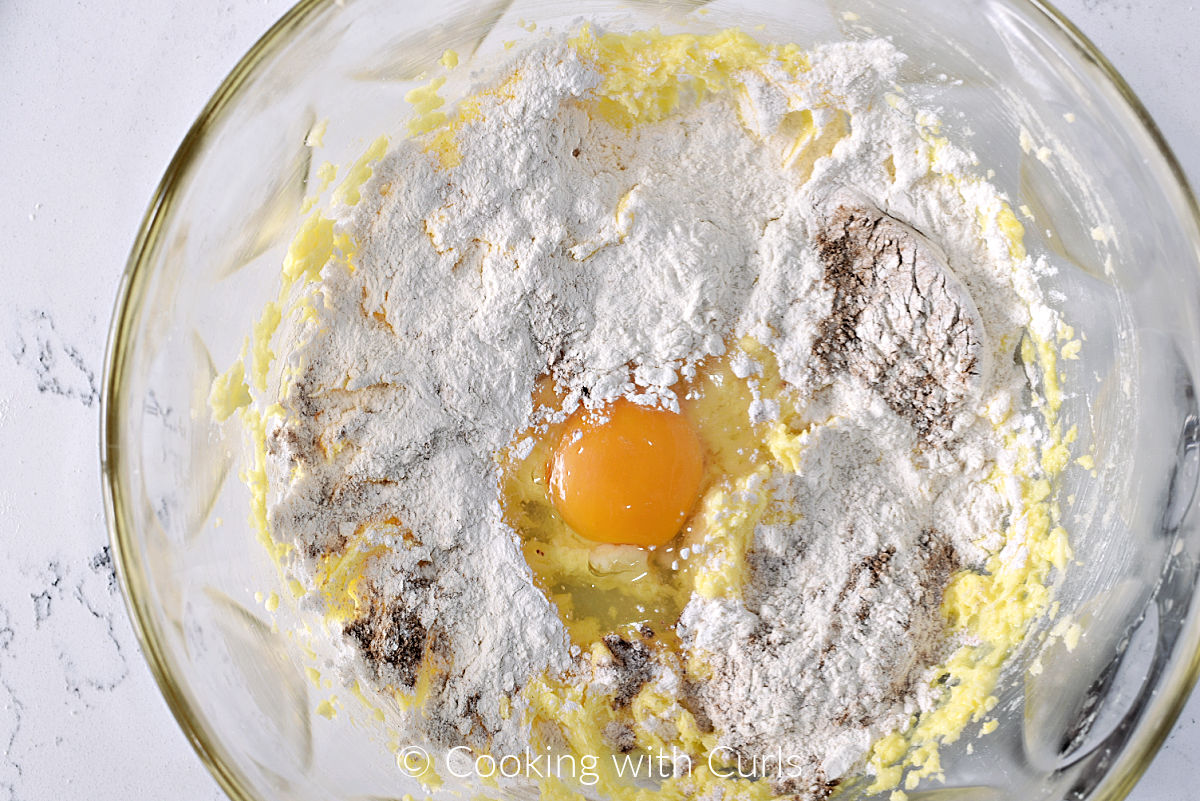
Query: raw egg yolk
pixel 628 475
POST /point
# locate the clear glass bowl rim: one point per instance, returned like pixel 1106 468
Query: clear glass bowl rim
pixel 1126 770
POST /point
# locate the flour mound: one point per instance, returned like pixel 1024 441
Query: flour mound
pixel 615 262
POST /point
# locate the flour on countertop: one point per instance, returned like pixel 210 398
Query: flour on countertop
pixel 615 262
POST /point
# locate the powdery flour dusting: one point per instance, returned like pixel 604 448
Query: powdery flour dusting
pixel 617 260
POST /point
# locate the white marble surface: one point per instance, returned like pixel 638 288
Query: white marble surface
pixel 94 99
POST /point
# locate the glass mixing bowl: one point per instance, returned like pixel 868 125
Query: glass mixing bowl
pixel 1014 81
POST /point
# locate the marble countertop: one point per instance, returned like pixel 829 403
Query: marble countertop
pixel 96 98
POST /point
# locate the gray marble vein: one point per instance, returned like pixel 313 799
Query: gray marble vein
pixel 57 366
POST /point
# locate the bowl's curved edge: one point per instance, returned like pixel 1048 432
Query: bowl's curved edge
pixel 1165 707
pixel 115 504
pixel 1089 49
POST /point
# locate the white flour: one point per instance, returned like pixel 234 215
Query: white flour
pixel 615 261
